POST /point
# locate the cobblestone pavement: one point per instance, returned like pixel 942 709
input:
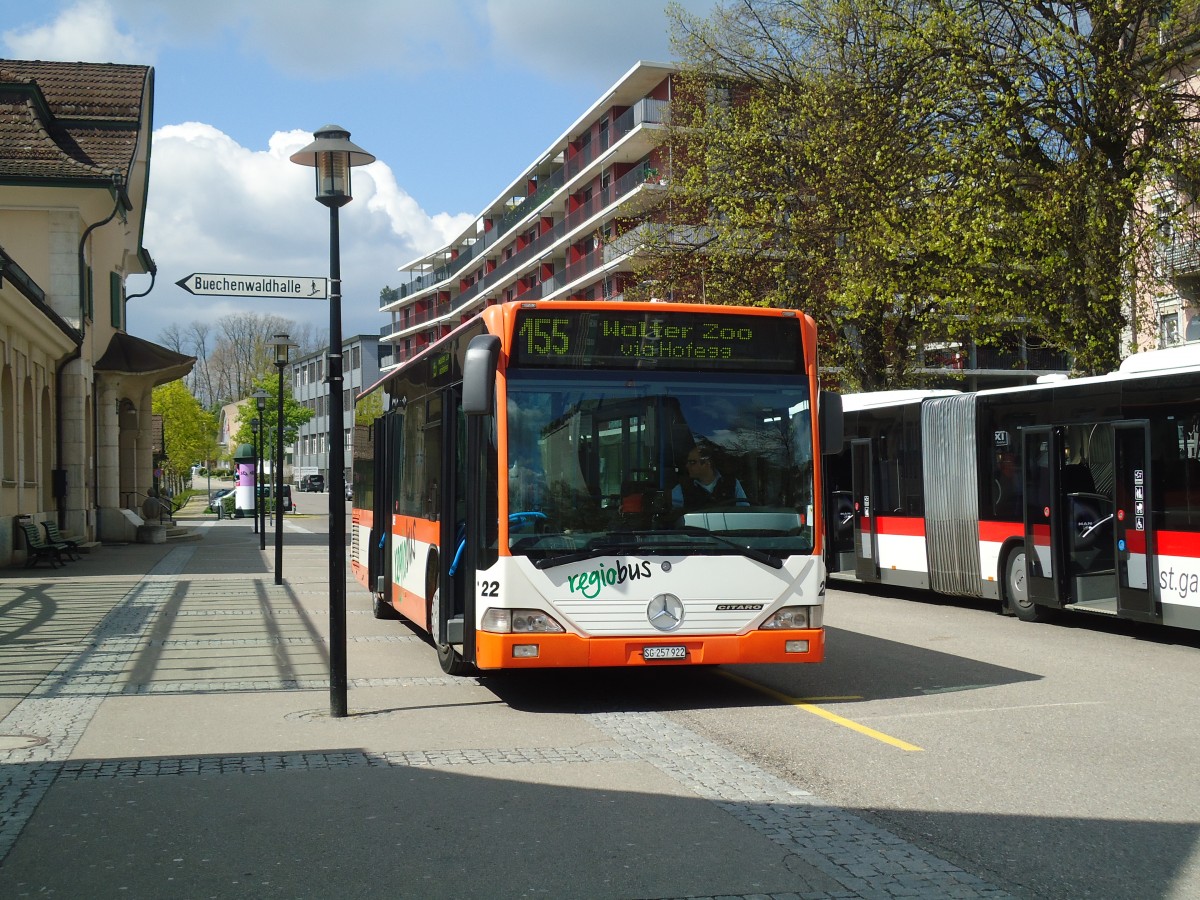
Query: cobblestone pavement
pixel 192 654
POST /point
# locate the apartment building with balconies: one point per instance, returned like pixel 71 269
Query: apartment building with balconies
pixel 1166 309
pixel 565 228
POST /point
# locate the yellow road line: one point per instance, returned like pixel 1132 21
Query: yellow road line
pixel 808 706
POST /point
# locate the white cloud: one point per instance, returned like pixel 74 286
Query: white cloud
pixel 579 39
pixel 215 206
pixel 86 32
pixel 583 37
pixel 314 38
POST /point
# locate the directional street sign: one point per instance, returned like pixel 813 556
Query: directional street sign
pixel 299 287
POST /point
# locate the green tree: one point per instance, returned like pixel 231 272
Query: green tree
pixel 295 414
pixel 913 172
pixel 189 431
pixel 369 408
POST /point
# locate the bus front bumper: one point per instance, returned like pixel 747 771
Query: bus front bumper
pixel 536 651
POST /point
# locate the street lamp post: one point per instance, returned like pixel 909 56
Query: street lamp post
pixel 282 345
pixel 260 509
pixel 254 426
pixel 333 155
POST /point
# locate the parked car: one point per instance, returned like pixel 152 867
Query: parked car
pixel 313 483
pixel 214 499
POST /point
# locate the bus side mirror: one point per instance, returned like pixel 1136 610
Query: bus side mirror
pixel 479 375
pixel 829 422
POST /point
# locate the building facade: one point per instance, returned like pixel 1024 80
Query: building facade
pixel 1170 307
pixel 565 228
pixel 360 364
pixel 76 427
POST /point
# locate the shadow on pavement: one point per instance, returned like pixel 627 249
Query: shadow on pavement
pixel 857 666
pixel 344 823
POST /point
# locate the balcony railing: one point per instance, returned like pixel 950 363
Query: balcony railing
pixel 1181 257
pixel 645 111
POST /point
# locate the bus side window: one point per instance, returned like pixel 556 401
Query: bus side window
pixel 1191 492
pixel 1006 487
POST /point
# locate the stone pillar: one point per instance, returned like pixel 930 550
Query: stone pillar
pixel 144 457
pixel 114 525
pixel 76 446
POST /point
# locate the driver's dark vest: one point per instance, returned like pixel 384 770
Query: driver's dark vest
pixel 696 497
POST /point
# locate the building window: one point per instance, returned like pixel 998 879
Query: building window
pixel 1168 329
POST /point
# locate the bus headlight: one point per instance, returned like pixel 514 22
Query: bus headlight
pixel 519 621
pixel 796 617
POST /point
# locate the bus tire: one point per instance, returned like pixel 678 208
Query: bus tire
pixel 449 659
pixel 381 609
pixel 1016 587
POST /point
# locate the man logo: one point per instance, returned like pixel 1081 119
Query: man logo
pixel 665 612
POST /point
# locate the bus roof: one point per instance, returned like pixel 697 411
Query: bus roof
pixel 1170 359
pixel 873 399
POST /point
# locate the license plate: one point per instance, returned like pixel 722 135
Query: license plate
pixel 664 652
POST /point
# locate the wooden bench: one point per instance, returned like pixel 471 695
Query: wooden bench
pixel 56 538
pixel 40 548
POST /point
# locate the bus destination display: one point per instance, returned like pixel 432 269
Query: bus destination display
pixel 640 340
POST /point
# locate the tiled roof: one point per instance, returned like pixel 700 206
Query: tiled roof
pixel 69 120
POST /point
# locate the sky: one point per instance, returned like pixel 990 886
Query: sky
pixel 454 98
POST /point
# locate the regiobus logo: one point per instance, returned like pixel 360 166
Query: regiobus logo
pixel 589 584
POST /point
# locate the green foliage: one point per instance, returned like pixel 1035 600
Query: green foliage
pixel 189 431
pixel 916 173
pixel 369 408
pixel 295 413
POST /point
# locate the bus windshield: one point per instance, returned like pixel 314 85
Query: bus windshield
pixel 658 463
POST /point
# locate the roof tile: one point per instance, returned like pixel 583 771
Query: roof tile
pixel 69 120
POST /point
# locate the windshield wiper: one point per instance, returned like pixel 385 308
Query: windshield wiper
pixel 595 547
pixel 749 552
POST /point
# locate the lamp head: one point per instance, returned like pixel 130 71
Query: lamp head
pixel 332 154
pixel 283 346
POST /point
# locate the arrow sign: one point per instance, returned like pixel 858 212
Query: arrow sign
pixel 298 287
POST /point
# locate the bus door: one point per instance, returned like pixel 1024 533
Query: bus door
pixel 866 546
pixel 388 431
pixel 449 629
pixel 839 512
pixel 1070 538
pixel 1133 526
pixel 1042 453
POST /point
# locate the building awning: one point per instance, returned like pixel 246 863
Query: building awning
pixel 129 355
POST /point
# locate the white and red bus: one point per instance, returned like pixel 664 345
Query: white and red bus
pixel 517 499
pixel 1078 494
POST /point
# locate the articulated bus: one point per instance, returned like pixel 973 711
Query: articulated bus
pixel 517 499
pixel 1079 494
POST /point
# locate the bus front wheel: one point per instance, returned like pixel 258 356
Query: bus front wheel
pixel 1016 588
pixel 449 659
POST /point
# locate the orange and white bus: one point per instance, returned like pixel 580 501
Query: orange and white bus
pixel 526 498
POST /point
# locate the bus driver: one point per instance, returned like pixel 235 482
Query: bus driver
pixel 703 486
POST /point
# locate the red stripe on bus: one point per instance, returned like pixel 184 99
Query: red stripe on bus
pixel 999 532
pixel 1174 543
pixel 1135 541
pixel 901 526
